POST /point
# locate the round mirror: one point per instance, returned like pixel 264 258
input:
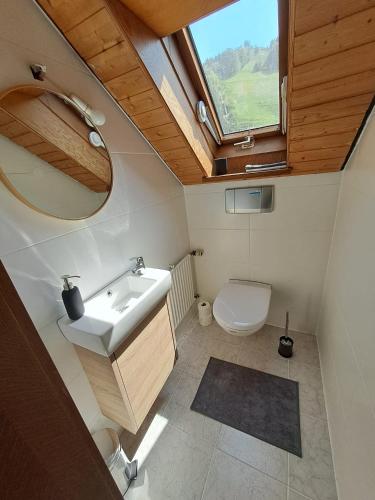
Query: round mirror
pixel 52 156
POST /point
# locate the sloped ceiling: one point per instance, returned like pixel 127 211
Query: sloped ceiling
pixel 165 17
pixel 331 76
pixel 331 79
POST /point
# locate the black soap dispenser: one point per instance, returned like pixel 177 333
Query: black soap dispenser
pixel 72 298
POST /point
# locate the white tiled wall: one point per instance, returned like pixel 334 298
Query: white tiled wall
pixel 145 214
pixel 346 332
pixel 287 248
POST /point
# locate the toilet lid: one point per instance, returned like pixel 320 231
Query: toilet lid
pixel 241 305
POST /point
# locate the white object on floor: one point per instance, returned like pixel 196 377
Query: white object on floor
pixel 241 307
pixel 204 313
pixel 110 449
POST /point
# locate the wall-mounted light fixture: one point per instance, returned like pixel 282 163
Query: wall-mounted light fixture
pixel 96 140
pixel 97 117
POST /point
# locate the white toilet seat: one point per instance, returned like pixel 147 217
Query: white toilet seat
pixel 241 307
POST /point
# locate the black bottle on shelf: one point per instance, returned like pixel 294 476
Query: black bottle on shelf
pixel 72 298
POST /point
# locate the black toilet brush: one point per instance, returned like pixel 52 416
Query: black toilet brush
pixel 286 343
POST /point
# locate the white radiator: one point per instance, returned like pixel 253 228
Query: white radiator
pixel 181 295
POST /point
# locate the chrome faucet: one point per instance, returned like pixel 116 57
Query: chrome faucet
pixel 139 265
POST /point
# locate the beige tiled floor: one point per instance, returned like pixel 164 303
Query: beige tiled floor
pixel 184 455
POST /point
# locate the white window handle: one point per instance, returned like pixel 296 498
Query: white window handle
pixel 248 143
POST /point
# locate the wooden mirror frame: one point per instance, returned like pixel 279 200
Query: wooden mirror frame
pixel 11 187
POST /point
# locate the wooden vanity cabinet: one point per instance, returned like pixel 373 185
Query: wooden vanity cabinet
pixel 127 384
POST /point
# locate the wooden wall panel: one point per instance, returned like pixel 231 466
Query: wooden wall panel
pixel 114 61
pixel 312 14
pixel 335 37
pixel 321 142
pixel 331 79
pixel 353 85
pixel 140 103
pixel 335 109
pixel 327 127
pixel 68 14
pixel 95 34
pixel 345 63
pixel 153 118
pixel 102 34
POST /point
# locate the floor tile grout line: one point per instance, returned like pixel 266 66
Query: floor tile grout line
pixel 252 467
pixel 208 471
pixel 300 493
pixel 191 435
pixel 216 442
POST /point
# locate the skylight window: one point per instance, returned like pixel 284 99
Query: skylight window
pixel 238 51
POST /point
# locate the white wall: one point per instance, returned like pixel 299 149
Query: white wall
pixel 287 248
pixel 346 333
pixel 145 214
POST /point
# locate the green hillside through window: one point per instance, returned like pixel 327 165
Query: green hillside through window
pixel 243 80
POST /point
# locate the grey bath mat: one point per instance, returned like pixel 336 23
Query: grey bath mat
pixel 251 401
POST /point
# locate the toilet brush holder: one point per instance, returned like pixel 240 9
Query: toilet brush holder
pixel 286 347
pixel 286 343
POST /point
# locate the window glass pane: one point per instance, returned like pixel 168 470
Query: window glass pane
pixel 238 49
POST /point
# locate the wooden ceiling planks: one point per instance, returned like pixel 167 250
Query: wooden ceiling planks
pixel 101 37
pixel 165 17
pixel 331 79
pixel 331 75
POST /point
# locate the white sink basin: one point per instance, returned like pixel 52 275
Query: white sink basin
pixel 111 314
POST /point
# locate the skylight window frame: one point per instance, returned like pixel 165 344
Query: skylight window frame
pixel 193 64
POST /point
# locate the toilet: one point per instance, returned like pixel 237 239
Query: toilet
pixel 241 307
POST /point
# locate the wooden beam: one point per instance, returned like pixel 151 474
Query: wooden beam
pixel 168 16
